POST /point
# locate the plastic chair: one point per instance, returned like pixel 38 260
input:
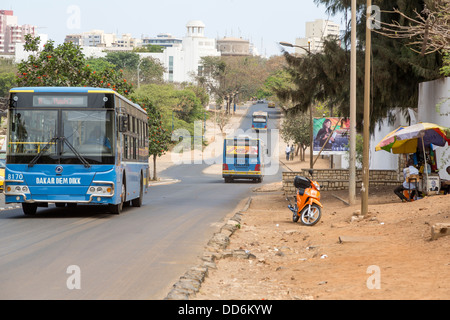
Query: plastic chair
pixel 414 178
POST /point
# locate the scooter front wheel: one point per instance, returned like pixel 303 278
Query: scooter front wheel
pixel 311 215
pixel 295 215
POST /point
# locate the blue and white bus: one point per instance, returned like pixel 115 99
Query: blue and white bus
pixel 75 145
pixel 243 158
pixel 259 120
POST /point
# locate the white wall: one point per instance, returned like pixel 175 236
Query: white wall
pixel 21 54
pixel 383 160
pixel 434 107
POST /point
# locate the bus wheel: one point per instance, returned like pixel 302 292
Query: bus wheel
pixel 29 209
pixel 138 201
pixel 117 208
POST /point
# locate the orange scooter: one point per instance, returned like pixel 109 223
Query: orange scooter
pixel 307 201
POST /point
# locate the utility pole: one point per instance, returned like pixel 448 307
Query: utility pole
pixel 365 182
pixel 352 167
pixel 311 142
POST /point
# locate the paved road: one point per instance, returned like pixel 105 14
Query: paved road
pixel 138 254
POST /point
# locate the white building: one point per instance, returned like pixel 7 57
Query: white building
pixel 182 61
pixel 315 34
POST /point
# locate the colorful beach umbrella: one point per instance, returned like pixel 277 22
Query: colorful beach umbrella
pixel 408 139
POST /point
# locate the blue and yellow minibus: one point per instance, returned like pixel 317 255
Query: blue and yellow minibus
pixel 75 145
pixel 243 158
pixel 259 120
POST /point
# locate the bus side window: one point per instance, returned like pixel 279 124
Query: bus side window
pixel 125 146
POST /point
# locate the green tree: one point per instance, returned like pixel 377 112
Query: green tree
pixel 445 70
pixel 65 65
pixel 7 81
pixel 149 48
pixel 123 60
pixel 179 107
pixel 159 136
pixel 228 77
pixel 296 128
pixel 396 70
pixel 189 107
pixel 8 72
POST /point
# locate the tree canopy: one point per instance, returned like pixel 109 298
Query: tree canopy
pixel 395 75
pixel 65 65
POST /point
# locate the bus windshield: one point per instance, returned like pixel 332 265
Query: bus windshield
pixel 239 147
pixel 259 118
pixel 61 136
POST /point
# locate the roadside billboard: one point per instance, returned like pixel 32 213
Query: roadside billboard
pixel 338 129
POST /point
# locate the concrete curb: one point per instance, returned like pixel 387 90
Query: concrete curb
pixel 163 182
pixel 190 283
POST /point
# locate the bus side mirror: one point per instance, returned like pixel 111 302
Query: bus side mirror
pixel 123 123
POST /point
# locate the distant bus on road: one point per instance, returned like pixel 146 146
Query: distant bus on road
pixel 243 158
pixel 259 120
pixel 72 146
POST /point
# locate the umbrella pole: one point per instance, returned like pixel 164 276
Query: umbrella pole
pixel 425 167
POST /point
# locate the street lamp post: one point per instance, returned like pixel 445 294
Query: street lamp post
pixel 311 141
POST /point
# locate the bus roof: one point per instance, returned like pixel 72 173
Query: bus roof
pixel 243 138
pixel 61 89
pixel 74 90
pixel 260 113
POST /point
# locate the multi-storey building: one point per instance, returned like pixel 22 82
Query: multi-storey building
pixel 11 33
pixel 315 34
pixel 100 39
pixel 165 40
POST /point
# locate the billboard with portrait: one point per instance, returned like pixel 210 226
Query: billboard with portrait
pixel 331 135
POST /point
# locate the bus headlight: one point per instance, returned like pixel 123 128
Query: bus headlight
pixel 100 190
pixel 16 189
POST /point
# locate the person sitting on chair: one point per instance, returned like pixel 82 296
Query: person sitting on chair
pixel 406 185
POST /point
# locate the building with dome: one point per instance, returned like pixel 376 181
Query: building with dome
pixel 182 60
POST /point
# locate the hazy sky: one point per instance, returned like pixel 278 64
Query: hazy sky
pixel 263 22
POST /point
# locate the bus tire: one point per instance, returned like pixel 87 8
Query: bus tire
pixel 138 201
pixel 117 208
pixel 29 209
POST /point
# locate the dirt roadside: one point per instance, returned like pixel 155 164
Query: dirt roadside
pixel 386 255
